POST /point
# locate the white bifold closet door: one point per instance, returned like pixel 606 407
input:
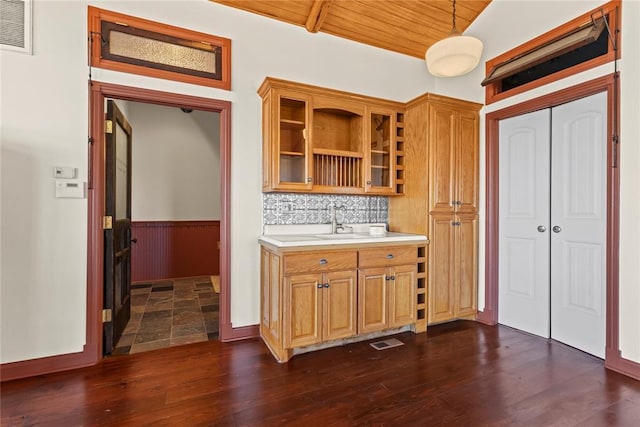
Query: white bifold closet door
pixel 552 243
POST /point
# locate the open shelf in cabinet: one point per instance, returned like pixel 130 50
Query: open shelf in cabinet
pixel 335 129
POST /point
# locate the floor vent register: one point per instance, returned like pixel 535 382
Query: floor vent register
pixel 383 345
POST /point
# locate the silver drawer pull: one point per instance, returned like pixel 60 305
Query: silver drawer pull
pixel 319 285
pixel 389 256
pixel 326 285
pixel 323 261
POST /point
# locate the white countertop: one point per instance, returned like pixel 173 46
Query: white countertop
pixel 320 235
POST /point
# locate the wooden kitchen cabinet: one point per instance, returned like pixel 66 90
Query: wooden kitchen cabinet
pixel 319 307
pixel 313 297
pixel 286 150
pixel 386 288
pixel 386 297
pixel 453 163
pixel 327 141
pixel 453 283
pixel 442 133
pixel 271 301
pixel 380 151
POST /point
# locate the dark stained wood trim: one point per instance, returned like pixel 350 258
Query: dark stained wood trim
pixel 225 221
pixel 92 352
pixel 44 365
pixel 608 83
pixel 243 332
pixel 613 8
pixel 489 315
pixel 95 16
pixel 615 362
pixel 205 104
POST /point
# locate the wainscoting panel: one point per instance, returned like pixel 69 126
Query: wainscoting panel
pixel 172 249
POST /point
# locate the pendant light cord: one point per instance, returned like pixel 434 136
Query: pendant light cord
pixel 454 29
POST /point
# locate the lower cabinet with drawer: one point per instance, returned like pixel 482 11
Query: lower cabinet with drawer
pixel 322 297
pixel 386 288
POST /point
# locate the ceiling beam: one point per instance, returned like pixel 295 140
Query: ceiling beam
pixel 317 15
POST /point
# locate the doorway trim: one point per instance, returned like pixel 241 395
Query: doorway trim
pixel 98 91
pixel 610 85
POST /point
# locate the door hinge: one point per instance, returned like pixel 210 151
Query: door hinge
pixel 106 315
pixel 107 222
pixel 108 126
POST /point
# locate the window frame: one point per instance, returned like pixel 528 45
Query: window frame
pixel 613 9
pixel 155 30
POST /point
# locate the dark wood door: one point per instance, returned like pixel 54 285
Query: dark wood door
pixel 117 237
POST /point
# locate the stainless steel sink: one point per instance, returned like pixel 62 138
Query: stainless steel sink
pixel 346 236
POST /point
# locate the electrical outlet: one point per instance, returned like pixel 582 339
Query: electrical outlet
pixel 287 207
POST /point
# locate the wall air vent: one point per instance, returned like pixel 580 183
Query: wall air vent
pixel 15 25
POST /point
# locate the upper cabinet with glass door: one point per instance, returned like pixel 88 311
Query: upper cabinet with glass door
pixel 326 141
pixel 380 151
pixel 286 151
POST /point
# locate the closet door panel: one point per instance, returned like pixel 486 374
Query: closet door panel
pixel 524 223
pixel 578 220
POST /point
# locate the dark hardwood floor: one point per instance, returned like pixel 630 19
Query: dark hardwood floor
pixel 461 374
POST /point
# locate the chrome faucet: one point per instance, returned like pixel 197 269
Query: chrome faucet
pixel 335 225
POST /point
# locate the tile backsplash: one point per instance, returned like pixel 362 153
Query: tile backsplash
pixel 293 208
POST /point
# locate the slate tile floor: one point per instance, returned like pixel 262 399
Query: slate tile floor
pixel 170 313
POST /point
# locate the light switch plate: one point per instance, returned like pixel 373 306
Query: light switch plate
pixel 65 172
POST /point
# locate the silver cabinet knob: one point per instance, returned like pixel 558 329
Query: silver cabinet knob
pixel 556 229
pixel 542 228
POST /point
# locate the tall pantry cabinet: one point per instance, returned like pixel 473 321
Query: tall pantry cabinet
pixel 441 200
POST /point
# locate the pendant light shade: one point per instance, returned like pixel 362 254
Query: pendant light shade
pixel 454 56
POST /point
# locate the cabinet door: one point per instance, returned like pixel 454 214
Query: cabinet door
pixel 372 299
pixel 442 158
pixel 290 148
pixel 466 241
pixel 467 147
pixel 441 268
pixel 339 305
pixel 270 290
pixel 379 150
pixel 303 305
pixel 402 295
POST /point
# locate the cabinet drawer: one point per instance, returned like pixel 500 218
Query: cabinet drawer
pixel 320 261
pixel 387 256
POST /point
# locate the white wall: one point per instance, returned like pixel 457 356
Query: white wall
pixel 176 163
pixel 506 24
pixel 44 124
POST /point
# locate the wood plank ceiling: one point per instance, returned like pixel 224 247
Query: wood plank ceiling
pixel 404 26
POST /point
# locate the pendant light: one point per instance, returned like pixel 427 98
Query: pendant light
pixel 454 56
